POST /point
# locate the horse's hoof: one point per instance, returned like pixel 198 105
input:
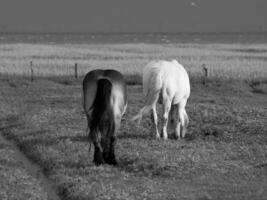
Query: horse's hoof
pixel 110 159
pixel 165 137
pixel 157 136
pixel 98 162
pixel 175 137
pixel 111 162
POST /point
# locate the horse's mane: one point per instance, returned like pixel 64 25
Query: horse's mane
pixel 101 105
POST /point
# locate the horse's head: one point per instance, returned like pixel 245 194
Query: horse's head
pixel 173 122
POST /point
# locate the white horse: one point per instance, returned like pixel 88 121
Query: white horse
pixel 167 83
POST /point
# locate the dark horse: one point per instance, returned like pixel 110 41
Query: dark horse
pixel 104 102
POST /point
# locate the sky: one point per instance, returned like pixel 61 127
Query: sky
pixel 133 15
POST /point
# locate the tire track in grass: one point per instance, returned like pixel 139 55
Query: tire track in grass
pixel 33 169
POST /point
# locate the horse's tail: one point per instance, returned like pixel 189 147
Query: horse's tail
pixel 101 103
pixel 152 86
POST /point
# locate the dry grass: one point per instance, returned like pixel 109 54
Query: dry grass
pixel 223 60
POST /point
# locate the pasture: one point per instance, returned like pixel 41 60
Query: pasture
pixel 224 155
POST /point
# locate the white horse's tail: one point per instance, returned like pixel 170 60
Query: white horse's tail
pixel 152 86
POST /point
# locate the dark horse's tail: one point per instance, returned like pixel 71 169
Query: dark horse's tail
pixel 102 126
pixel 101 105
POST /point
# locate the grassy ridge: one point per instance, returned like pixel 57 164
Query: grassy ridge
pixel 223 60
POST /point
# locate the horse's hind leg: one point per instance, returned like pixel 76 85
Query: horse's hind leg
pixel 186 122
pixel 183 117
pixel 166 110
pixel 109 153
pixel 109 156
pixel 98 154
pixel 154 118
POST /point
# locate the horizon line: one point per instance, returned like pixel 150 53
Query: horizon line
pixel 137 32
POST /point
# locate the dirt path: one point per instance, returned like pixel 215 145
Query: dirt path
pixel 32 169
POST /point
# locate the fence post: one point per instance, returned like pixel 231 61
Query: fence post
pixel 206 74
pixel 76 70
pixel 32 74
pixel 206 71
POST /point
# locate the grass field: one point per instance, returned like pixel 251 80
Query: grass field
pixel 223 60
pixel 224 155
